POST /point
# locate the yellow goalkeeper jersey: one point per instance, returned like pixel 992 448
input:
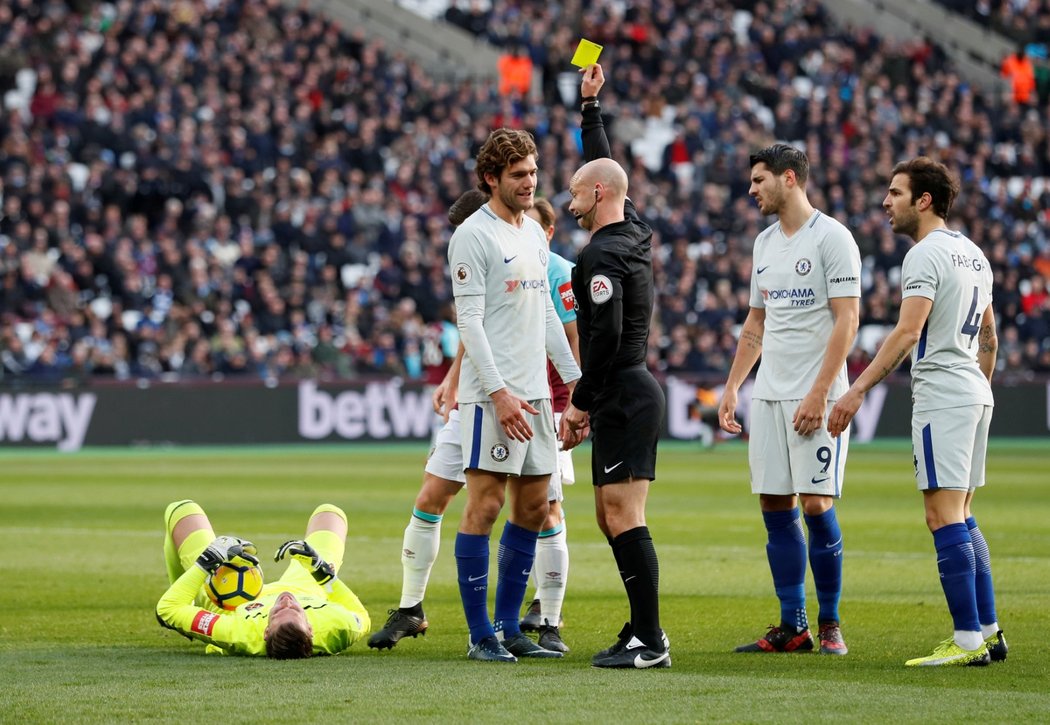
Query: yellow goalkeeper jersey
pixel 337 616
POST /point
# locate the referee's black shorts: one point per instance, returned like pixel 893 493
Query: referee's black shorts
pixel 625 426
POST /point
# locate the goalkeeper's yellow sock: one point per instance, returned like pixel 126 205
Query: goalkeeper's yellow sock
pixel 177 562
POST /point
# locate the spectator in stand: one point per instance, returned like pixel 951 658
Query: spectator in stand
pixel 515 72
pixel 1018 68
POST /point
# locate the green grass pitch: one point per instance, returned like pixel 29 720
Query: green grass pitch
pixel 81 570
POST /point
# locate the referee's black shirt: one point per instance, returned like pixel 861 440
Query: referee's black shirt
pixel 613 285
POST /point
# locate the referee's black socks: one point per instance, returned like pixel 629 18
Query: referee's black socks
pixel 640 569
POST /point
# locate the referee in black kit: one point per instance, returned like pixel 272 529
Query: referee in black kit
pixel 617 396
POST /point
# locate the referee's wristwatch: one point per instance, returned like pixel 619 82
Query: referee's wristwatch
pixel 590 102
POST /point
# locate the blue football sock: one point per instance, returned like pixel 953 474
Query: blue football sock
pixel 517 551
pixel 955 562
pixel 983 577
pixel 825 559
pixel 786 551
pixel 472 565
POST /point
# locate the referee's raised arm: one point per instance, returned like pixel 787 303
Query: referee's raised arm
pixel 595 142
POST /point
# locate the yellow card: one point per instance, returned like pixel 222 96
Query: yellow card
pixel 586 53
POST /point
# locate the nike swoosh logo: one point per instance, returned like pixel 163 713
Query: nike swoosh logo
pixel 635 576
pixel 816 480
pixel 833 544
pixel 613 467
pixel 641 663
pixel 525 572
pixel 475 578
pixel 508 260
pixel 760 270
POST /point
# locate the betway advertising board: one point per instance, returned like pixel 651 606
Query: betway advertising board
pixel 376 410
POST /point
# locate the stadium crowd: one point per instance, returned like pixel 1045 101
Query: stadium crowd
pixel 1026 21
pixel 206 188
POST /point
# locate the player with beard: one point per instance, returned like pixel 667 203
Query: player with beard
pixel 947 322
pixel 443 478
pixel 498 260
pixel 805 306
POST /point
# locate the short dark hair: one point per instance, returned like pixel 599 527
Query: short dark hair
pixel 545 210
pixel 289 641
pixel 503 147
pixel 926 176
pixel 467 203
pixel 780 157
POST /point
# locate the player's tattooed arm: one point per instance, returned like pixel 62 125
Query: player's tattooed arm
pixel 987 344
pixel 987 341
pixel 751 339
pixel 914 313
pixel 888 368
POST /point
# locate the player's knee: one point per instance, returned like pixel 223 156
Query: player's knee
pixel 491 509
pixel 189 525
pixel 532 513
pixel 934 520
pixel 328 517
pixel 329 508
pixel 816 505
pixel 484 511
pixel 178 510
pixel 435 495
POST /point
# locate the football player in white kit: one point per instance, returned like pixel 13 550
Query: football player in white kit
pixel 947 323
pixel 443 479
pixel 805 301
pixel 498 259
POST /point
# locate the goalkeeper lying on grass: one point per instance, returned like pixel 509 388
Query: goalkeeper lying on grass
pixel 307 611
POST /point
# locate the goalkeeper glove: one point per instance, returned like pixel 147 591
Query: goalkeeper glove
pixel 227 549
pixel 321 570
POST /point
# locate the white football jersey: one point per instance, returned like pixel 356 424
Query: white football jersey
pixel 949 269
pixel 793 279
pixel 508 266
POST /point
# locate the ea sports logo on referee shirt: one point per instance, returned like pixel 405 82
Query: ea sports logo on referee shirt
pixel 601 289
